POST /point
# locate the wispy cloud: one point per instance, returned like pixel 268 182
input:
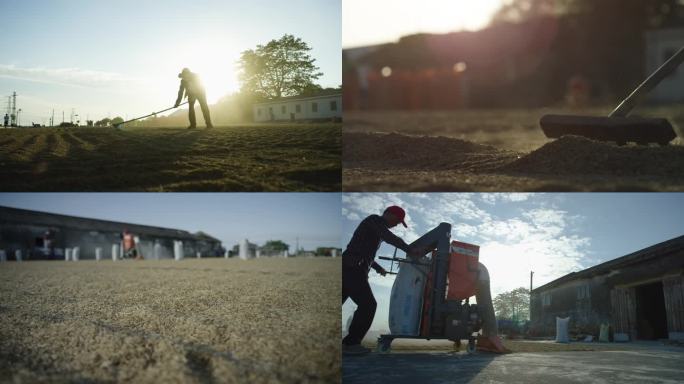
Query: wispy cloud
pixel 76 77
pixel 534 235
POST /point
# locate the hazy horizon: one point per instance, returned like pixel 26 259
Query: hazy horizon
pixel 122 59
pixel 230 217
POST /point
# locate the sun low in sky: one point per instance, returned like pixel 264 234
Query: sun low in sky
pixel 550 234
pixel 122 58
pixel 384 21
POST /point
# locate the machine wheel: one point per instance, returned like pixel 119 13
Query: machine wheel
pixel 471 347
pixel 384 345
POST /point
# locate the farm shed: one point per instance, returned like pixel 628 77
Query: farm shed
pixel 324 106
pixel 661 44
pixel 641 295
pixel 42 235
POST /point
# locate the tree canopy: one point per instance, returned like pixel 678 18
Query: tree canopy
pixel 513 304
pixel 280 68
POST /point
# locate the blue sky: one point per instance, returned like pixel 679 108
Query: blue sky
pixel 230 217
pixel 551 234
pixel 122 57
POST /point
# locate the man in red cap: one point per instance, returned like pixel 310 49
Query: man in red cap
pixel 192 86
pixel 357 260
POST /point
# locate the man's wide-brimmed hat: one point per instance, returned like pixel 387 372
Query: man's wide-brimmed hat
pixel 184 72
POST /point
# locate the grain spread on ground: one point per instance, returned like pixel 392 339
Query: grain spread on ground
pixel 262 320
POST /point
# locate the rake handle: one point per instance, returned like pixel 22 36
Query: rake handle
pixel 647 86
pixel 152 114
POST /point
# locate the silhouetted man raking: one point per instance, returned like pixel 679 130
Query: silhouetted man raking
pixel 192 86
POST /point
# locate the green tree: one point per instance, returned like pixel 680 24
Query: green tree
pixel 513 304
pixel 117 120
pixel 280 68
pixel 104 122
pixel 275 246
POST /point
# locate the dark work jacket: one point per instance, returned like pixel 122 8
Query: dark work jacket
pixel 372 231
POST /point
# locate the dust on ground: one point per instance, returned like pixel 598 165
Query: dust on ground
pixel 507 151
pixel 257 157
pixel 209 320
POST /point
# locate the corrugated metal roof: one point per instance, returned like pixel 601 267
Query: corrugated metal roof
pixel 657 250
pixel 24 216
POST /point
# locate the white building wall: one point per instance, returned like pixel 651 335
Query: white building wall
pixel 320 107
pixel 660 46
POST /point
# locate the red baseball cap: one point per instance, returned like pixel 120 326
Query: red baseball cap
pixel 398 212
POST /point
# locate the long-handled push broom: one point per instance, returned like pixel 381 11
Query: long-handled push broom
pixel 617 126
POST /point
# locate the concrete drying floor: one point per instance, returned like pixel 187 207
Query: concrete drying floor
pixel 638 363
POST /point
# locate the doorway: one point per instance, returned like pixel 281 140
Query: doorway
pixel 651 320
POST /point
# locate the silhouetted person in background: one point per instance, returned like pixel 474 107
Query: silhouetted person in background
pixel 192 86
pixel 6 120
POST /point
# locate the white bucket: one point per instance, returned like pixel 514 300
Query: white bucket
pixel 3 255
pixel 225 255
pixel 562 330
pixel 68 254
pixel 17 255
pixel 76 253
pixel 115 252
pixel 199 255
pixel 98 254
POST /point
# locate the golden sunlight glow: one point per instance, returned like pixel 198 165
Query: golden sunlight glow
pixel 215 63
pixel 380 21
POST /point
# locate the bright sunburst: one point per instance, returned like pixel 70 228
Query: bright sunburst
pixel 215 63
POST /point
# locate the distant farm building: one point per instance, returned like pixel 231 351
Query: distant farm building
pixel 325 106
pixel 660 46
pixel 42 235
pixel 640 295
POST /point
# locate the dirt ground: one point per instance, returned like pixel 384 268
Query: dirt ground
pixel 499 150
pixel 209 320
pixel 279 157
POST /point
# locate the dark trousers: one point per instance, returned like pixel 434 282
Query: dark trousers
pixel 355 286
pixel 203 105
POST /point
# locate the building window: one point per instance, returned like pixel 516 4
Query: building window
pixel 314 107
pixel 298 108
pixel 333 105
pixel 583 292
pixel 546 299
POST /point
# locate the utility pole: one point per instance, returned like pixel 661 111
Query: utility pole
pixel 52 119
pixel 531 274
pixel 62 116
pixel 13 116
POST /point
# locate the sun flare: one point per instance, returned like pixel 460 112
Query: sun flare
pixel 215 63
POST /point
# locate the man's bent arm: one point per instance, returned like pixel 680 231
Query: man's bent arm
pixel 389 237
pixel 180 94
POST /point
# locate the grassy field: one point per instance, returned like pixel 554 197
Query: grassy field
pixel 208 320
pixel 304 157
pixel 500 150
